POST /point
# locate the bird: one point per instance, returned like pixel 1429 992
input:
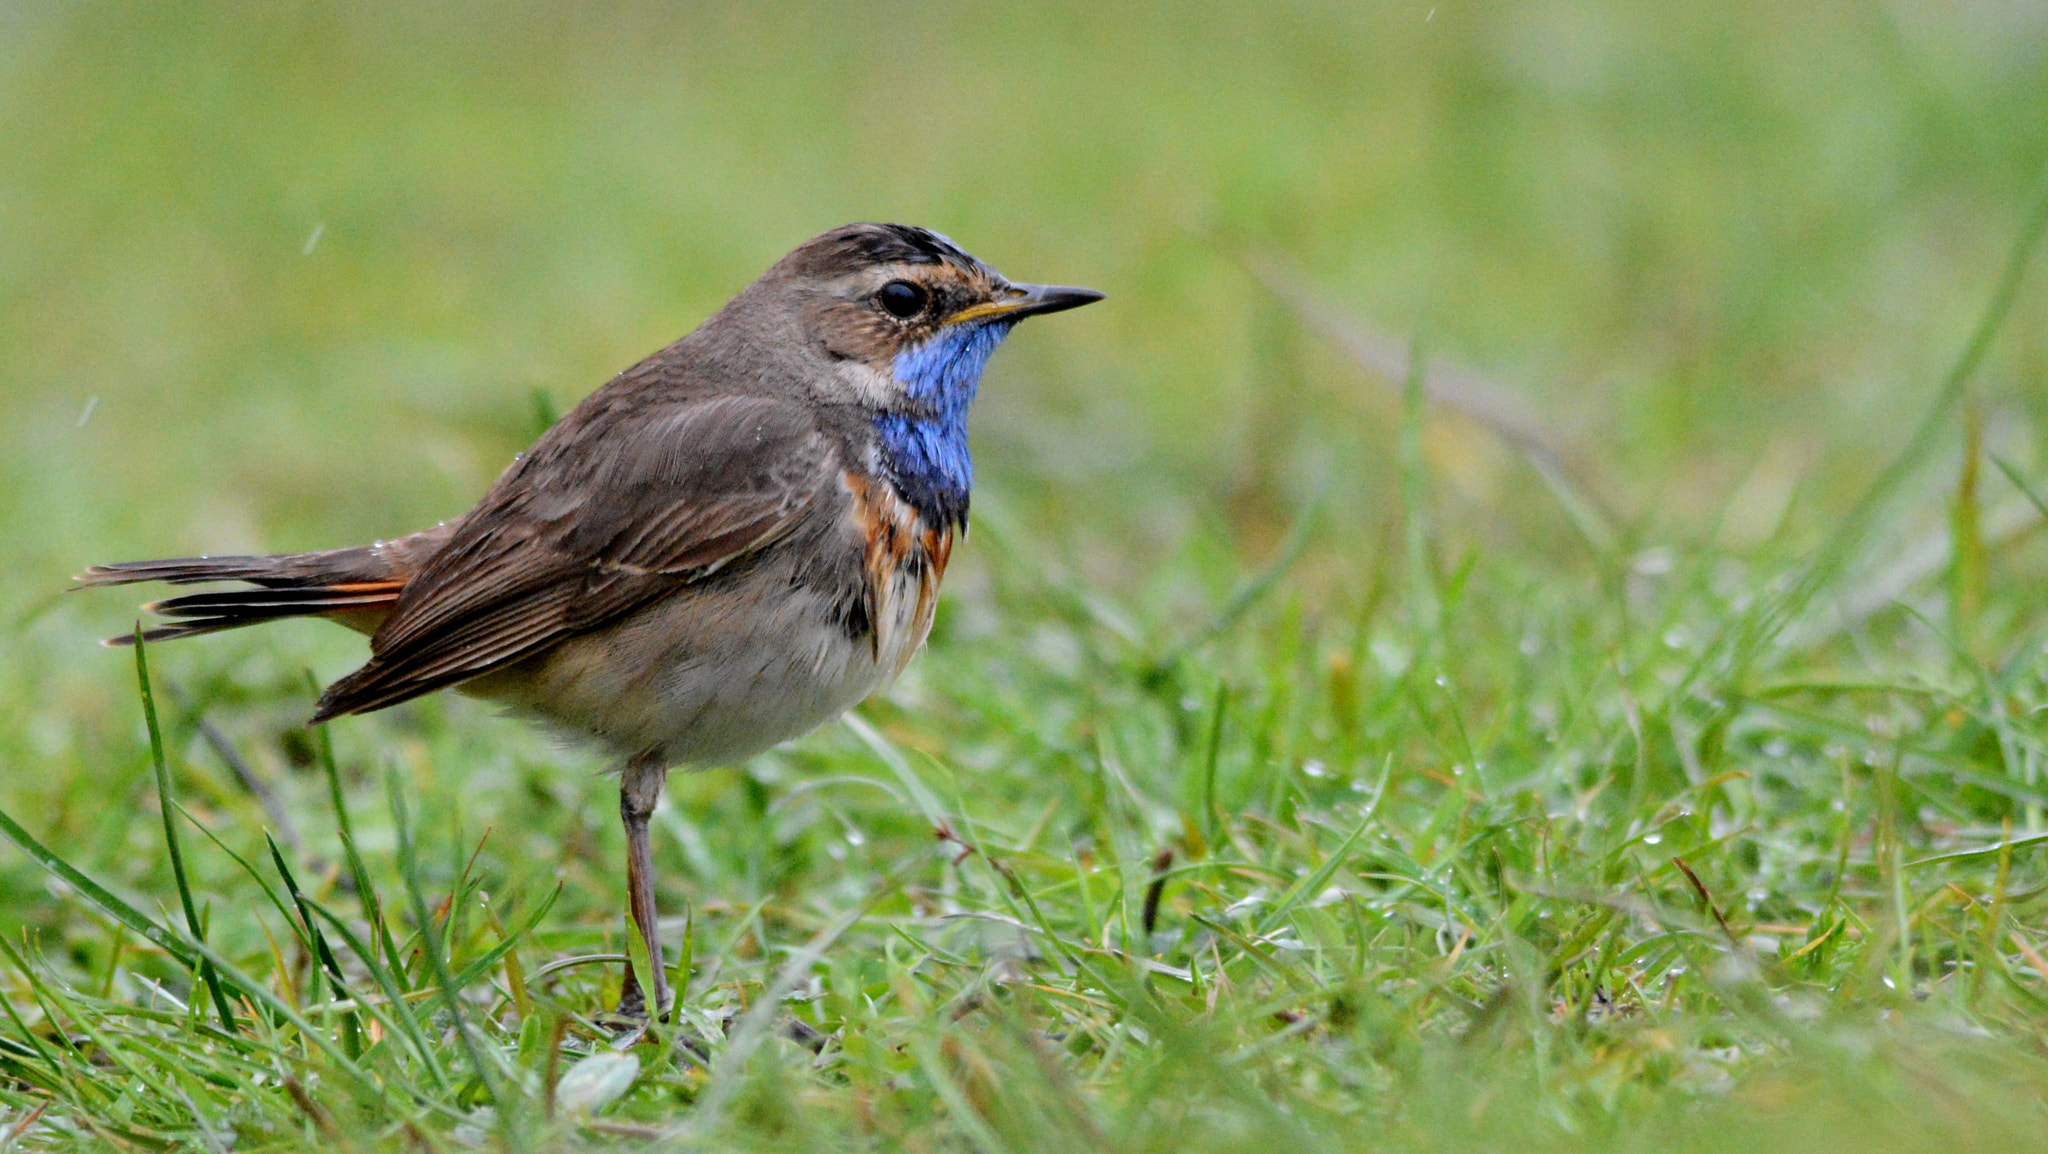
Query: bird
pixel 725 546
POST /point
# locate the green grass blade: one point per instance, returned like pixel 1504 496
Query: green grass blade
pixel 351 1025
pixel 186 949
pixel 431 941
pixel 402 1021
pixel 475 970
pixel 366 893
pixel 59 1069
pixel 2018 482
pixel 752 1028
pixel 269 892
pixel 1313 883
pixel 162 937
pixel 166 805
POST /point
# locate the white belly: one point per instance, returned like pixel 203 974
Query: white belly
pixel 703 679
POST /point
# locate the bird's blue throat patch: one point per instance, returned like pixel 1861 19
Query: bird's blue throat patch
pixel 925 449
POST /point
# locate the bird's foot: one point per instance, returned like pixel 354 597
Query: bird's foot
pixel 626 1032
pixel 790 1029
pixel 630 1021
pixel 632 1002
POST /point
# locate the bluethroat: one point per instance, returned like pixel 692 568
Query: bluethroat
pixel 727 545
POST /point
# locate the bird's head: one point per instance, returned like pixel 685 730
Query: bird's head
pixel 896 317
pixel 896 322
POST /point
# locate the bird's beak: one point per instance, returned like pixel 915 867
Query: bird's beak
pixel 1027 300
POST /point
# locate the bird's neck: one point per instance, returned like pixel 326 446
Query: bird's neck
pixel 924 442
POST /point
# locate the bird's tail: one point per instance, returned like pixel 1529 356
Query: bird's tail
pixel 355 586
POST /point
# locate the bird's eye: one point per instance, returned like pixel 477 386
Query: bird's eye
pixel 903 299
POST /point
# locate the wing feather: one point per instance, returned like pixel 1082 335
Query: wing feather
pixel 613 507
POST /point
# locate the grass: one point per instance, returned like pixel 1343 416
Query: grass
pixel 1634 741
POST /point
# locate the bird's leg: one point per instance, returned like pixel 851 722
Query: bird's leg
pixel 639 788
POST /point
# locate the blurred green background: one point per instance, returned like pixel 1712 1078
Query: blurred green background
pixel 280 276
pixel 313 260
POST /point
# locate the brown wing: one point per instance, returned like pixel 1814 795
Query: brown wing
pixel 620 502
